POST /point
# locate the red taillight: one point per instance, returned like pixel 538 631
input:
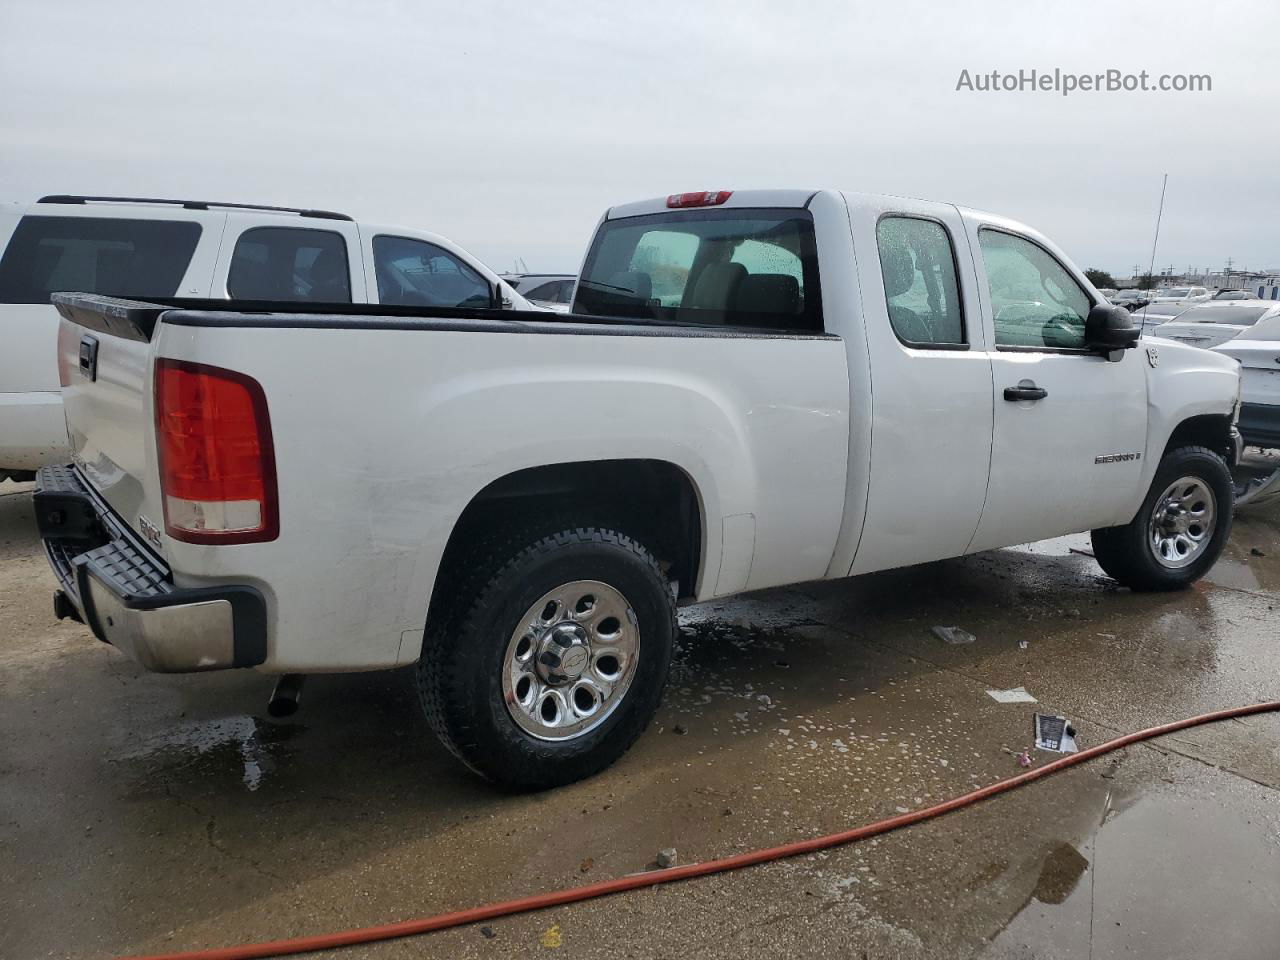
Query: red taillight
pixel 217 464
pixel 702 198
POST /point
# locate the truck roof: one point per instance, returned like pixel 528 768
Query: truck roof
pixel 796 198
pixel 737 198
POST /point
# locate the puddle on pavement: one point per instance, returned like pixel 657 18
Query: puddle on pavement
pixel 1167 874
pixel 243 744
pixel 1059 874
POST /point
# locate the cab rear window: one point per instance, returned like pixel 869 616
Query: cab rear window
pixel 754 269
pixel 107 255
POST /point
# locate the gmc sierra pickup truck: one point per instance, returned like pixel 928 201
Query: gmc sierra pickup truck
pixel 752 389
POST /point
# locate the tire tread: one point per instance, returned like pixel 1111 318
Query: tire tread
pixel 480 575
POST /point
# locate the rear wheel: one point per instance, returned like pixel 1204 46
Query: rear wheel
pixel 549 659
pixel 1180 529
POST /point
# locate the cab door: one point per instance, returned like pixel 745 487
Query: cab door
pixel 1070 423
pixel 930 383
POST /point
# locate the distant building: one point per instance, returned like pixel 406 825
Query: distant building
pixel 1261 283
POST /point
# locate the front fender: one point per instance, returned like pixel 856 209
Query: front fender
pixel 1183 382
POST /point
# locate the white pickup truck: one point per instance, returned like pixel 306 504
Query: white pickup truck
pixel 753 389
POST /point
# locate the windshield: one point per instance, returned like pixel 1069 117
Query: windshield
pixel 749 268
pixel 1233 295
pixel 1239 316
pixel 1173 292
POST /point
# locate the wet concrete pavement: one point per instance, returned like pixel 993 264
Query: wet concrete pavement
pixel 140 813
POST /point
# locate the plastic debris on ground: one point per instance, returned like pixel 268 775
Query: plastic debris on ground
pixel 1016 695
pixel 953 635
pixel 1054 734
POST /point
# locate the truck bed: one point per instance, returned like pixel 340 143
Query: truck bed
pixel 380 442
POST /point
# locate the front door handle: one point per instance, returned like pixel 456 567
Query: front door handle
pixel 1025 390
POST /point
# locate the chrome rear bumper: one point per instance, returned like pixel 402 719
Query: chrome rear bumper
pixel 126 595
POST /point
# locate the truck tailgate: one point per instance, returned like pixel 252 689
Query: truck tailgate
pixel 104 365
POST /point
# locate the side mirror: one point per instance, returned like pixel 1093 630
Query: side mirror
pixel 1110 328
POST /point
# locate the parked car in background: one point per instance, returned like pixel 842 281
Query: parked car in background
pixel 1150 316
pixel 1108 292
pixel 130 247
pixel 742 397
pixel 551 290
pixel 1234 295
pixel 1187 295
pixel 1210 324
pixel 1257 350
pixel 1128 294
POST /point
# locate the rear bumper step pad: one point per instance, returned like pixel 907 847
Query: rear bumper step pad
pixel 126 595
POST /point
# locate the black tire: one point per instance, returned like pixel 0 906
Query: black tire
pixel 460 674
pixel 1126 553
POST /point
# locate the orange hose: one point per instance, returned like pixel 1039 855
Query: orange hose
pixel 443 921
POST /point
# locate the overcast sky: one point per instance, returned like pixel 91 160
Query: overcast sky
pixel 511 127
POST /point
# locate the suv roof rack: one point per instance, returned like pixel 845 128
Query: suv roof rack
pixel 195 205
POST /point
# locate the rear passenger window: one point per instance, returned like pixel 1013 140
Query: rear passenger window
pixel 918 265
pixel 107 255
pixel 417 273
pixel 290 264
pixel 1036 303
pixel 731 267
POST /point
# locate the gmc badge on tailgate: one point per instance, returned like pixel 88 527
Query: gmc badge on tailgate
pixel 89 357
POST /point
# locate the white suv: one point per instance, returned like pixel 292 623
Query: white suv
pixel 141 248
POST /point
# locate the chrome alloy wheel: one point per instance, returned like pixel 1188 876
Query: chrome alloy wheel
pixel 570 660
pixel 1182 522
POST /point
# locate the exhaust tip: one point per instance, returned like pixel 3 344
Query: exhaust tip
pixel 284 698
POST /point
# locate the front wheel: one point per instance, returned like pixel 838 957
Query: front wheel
pixel 550 659
pixel 1180 529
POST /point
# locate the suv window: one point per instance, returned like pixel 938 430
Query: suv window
pixel 745 268
pixel 107 255
pixel 290 264
pixel 1035 301
pixel 917 262
pixel 417 273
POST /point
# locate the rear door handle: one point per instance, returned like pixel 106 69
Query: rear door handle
pixel 1025 390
